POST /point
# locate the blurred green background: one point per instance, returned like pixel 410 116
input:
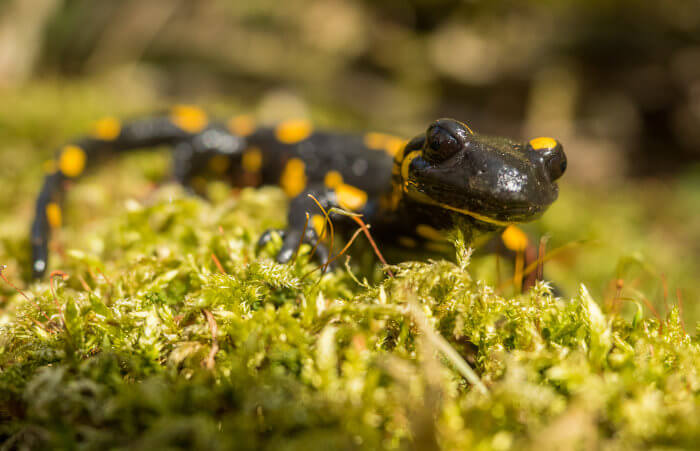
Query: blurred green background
pixel 617 81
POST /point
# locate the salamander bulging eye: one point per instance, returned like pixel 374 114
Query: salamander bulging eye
pixel 556 165
pixel 440 144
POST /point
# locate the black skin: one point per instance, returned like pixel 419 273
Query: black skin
pixel 497 178
pixel 447 177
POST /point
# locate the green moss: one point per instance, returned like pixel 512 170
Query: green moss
pixel 122 356
pixel 317 360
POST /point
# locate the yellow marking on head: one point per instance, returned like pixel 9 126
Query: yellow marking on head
pixel 407 241
pixel 241 125
pixel 543 143
pixel 318 222
pixel 53 215
pixel 72 161
pixel 189 118
pixel 293 131
pixel 425 199
pixel 107 129
pixel 252 159
pixel 467 127
pixel 475 215
pixel 407 162
pixel 49 166
pixel 429 233
pixel 350 197
pixel 219 163
pixel 333 179
pixel 293 179
pixel 514 239
pixel 398 156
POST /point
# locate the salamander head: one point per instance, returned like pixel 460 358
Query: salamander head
pixel 491 179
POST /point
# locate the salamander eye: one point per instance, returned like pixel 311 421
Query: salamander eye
pixel 552 154
pixel 440 144
pixel 556 165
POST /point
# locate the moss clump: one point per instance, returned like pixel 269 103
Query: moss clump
pixel 149 344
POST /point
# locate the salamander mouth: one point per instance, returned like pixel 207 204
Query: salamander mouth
pixel 487 209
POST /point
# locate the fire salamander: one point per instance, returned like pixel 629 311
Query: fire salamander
pixel 409 191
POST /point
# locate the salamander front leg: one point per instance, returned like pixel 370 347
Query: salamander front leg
pixel 291 242
pixel 302 228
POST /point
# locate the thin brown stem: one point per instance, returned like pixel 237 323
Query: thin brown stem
pixel 214 328
pixel 218 263
pixel 371 241
pixel 335 257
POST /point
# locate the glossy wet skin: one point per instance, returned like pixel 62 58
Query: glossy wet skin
pixel 492 179
pixel 444 178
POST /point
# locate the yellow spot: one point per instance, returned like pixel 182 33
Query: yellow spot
pixel 407 162
pixel 398 156
pixel 333 179
pixel 407 241
pixel 429 233
pixel 543 143
pixel 350 197
pixel 394 146
pixel 242 125
pixel 53 215
pixel 318 222
pixel 107 129
pixel 189 118
pixel 252 160
pixel 219 163
pixel 49 166
pixel 72 161
pixel 293 180
pixel 293 131
pixel 374 140
pixel 514 239
pixel 380 141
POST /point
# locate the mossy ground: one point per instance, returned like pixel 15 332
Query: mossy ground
pixel 149 344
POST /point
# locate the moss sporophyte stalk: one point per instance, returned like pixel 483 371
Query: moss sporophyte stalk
pixel 171 331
